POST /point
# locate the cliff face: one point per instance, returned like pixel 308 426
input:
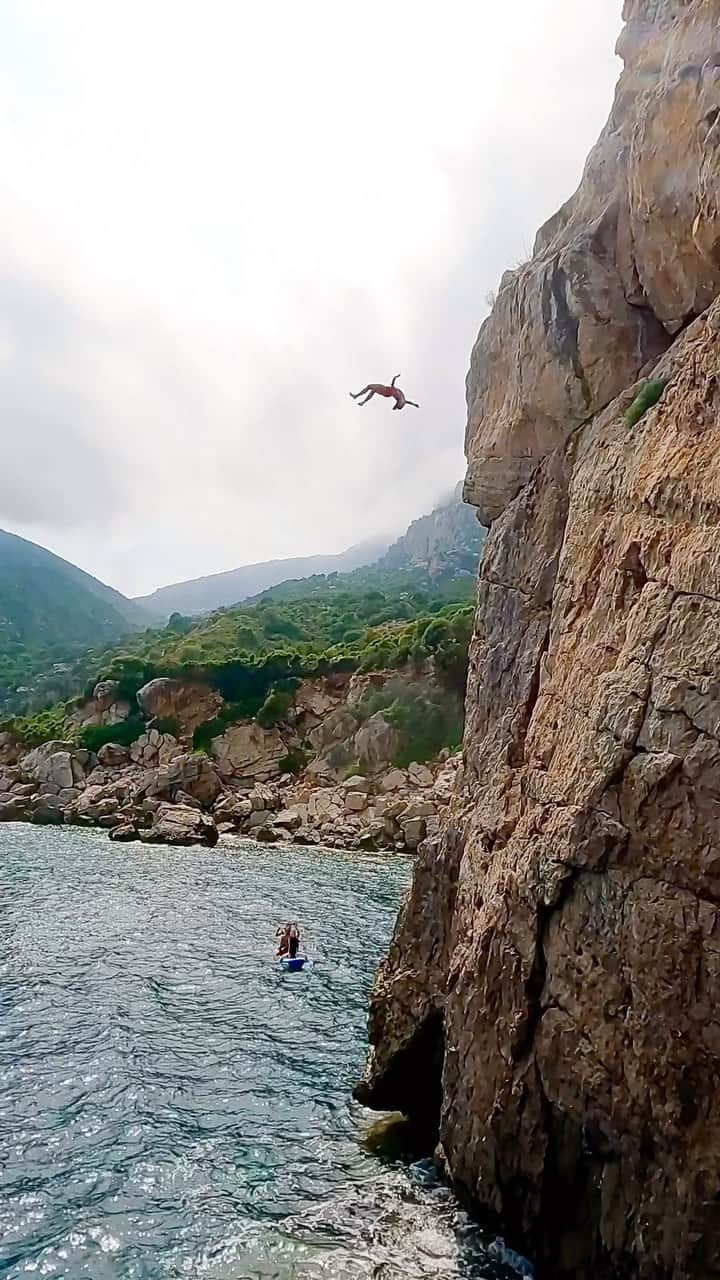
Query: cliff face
pixel 550 1002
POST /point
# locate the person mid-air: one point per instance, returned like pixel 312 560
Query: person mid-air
pixel 379 389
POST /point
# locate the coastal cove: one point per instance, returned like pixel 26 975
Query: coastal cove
pixel 172 1105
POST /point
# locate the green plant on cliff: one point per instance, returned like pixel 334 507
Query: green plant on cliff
pixel 277 704
pixel 294 762
pixel 94 736
pixel 428 718
pixel 647 396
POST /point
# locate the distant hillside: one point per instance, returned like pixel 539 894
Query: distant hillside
pixel 443 545
pixel 50 611
pixel 201 595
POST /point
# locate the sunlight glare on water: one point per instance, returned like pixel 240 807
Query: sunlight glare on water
pixel 171 1105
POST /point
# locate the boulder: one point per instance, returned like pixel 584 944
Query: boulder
pixel 414 830
pixel 13 811
pixel 46 814
pixel 291 819
pixel 339 726
pixel 333 764
pixel 104 707
pixel 10 749
pixel 266 835
pixel 112 755
pixel 314 701
pixel 418 809
pixel 67 796
pixel 394 780
pixel 376 742
pixel 125 832
pixel 191 703
pixel 60 763
pixel 259 818
pixel 193 774
pixel 181 825
pixel 248 752
pixel 355 801
pixel 358 783
pixel 263 797
pixel 182 797
pixel 419 775
pixel 153 748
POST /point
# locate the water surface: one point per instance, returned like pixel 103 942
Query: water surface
pixel 171 1105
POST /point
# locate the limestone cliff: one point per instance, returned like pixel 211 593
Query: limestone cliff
pixel 549 1006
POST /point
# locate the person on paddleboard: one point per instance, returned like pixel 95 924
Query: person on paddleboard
pixel 293 940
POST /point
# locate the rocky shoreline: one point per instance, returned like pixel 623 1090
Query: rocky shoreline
pixel 157 791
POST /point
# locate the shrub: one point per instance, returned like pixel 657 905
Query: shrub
pixel 647 396
pixel 275 707
pixel 94 736
pixel 168 724
pixel 41 727
pixel 294 761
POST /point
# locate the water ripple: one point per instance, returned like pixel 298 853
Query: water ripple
pixel 171 1104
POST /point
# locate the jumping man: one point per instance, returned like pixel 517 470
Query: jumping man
pixel 379 389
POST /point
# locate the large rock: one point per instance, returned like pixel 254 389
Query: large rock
pixel 621 267
pixel 193 774
pixel 10 749
pixel 181 825
pixel 548 1008
pixel 191 704
pixel 113 756
pixel 246 752
pixel 103 708
pixel 153 748
pixel 376 743
pixel 59 763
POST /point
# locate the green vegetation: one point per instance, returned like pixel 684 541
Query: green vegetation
pixel 50 613
pixel 94 736
pixel 255 654
pixel 647 396
pixel 428 718
pixel 43 726
pixel 293 762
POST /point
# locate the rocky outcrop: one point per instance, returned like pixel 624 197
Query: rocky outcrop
pixel 177 824
pixel 548 1008
pixel 245 785
pixel 246 751
pixel 190 704
pixel 625 263
pixel 102 708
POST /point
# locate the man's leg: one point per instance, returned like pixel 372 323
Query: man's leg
pixel 357 394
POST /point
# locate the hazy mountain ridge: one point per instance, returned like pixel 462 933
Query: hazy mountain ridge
pixel 443 543
pixel 201 595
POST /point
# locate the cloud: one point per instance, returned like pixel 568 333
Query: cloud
pixel 219 222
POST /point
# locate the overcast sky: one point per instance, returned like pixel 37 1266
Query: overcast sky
pixel 219 218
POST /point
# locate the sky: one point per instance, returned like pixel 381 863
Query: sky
pixel 219 219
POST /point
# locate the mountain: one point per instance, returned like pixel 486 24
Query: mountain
pixel 50 611
pixel 200 595
pixel 444 543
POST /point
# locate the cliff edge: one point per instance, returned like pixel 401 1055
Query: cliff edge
pixel 549 1006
